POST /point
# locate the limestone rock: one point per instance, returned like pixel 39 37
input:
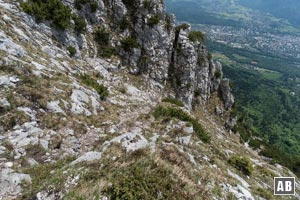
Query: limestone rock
pixel 226 94
pixel 10 182
pixel 87 157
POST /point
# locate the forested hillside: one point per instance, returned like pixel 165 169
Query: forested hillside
pixel 257 43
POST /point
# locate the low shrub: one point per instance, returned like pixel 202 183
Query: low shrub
pixel 106 51
pixel 124 24
pixel 102 36
pixel 89 81
pixel 218 74
pixel 183 26
pixel 209 56
pixel 153 20
pixel 93 6
pixel 231 85
pixel 131 5
pixel 174 101
pixel 266 194
pixel 129 43
pixel 242 163
pixel 196 93
pixel 79 3
pixel 145 179
pixel 196 36
pixel 143 62
pixel 53 10
pixel 72 51
pixel 179 49
pixel 168 22
pixel 147 4
pixel 183 116
pixel 255 144
pixel 80 24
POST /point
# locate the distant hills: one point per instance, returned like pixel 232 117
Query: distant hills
pixel 271 15
pixel 286 9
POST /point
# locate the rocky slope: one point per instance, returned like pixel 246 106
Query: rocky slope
pixel 147 122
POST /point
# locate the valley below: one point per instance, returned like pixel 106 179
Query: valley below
pixel 260 53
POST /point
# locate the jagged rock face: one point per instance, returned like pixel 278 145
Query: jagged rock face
pixel 193 74
pixel 153 30
pixel 155 39
pixel 160 52
pixel 215 74
pixel 183 68
pixel 226 94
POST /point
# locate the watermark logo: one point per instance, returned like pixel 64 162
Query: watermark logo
pixel 284 185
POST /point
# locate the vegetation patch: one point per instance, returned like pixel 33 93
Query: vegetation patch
pixel 107 51
pixel 72 51
pixel 102 36
pixel 266 194
pixel 183 26
pixel 168 24
pixel 89 81
pixel 124 24
pixel 80 3
pixel 12 118
pixel 80 24
pixel 129 43
pixel 43 180
pixel 196 36
pixel 132 176
pixel 174 101
pixel 131 5
pixel 53 10
pixel 209 56
pixel 183 116
pixel 147 4
pixel 242 163
pixel 218 74
pixel 123 90
pixel 144 179
pixel 153 20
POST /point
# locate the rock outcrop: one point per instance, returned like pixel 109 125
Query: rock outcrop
pixel 147 42
pixel 192 71
pixel 165 52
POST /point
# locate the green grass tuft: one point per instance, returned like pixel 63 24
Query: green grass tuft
pixel 102 37
pixel 89 81
pixel 52 10
pixel 173 101
pixel 129 43
pixel 80 24
pixel 153 20
pixel 161 111
pixel 242 163
pixel 43 180
pixel 72 51
pixel 196 36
